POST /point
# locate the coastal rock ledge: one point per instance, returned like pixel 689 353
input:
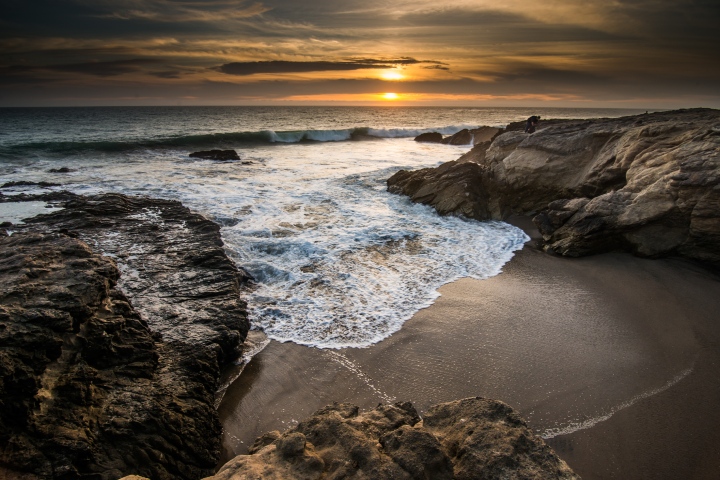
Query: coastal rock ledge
pixel 474 438
pixel 117 315
pixel 648 184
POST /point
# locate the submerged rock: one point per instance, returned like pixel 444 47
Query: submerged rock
pixel 474 438
pixel 110 364
pixel 222 155
pixel 649 184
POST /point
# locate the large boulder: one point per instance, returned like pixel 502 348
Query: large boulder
pixel 110 367
pixel 648 184
pixel 474 438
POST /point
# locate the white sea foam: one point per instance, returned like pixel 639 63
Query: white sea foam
pixel 338 261
pixel 16 212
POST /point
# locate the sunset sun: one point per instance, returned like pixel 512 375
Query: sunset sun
pixel 390 96
pixel 392 75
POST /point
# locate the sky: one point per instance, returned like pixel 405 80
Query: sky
pixel 653 54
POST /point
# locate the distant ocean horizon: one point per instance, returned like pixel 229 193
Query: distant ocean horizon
pixel 338 261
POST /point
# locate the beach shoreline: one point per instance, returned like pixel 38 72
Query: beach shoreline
pixel 593 352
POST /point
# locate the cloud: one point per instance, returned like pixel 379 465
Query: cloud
pixel 283 66
pixel 97 69
pixel 183 11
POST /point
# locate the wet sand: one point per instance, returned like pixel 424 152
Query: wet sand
pixel 614 359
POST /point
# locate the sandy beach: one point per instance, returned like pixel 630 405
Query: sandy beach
pixel 612 358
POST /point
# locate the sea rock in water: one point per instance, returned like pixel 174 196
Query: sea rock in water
pixel 223 155
pixel 485 134
pixel 110 367
pixel 467 439
pixel 649 184
pixel 463 137
pixel 429 137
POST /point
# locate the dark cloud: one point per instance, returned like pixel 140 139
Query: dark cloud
pixel 437 67
pixel 281 66
pixel 171 74
pixel 98 69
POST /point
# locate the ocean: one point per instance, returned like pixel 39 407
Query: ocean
pixel 338 261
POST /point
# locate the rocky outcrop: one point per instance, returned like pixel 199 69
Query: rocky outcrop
pixel 221 155
pixel 463 137
pixel 474 438
pixel 480 135
pixel 429 137
pixel 485 134
pixel 110 364
pixel 649 184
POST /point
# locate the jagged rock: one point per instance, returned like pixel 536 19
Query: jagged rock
pixel 61 170
pixel 429 137
pixel 99 385
pixel 474 438
pixel 463 137
pixel 222 155
pixel 649 184
pixel 485 134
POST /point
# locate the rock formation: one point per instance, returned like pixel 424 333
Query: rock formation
pixel 221 155
pixel 474 438
pixel 649 184
pixel 430 137
pixel 110 364
pixel 463 137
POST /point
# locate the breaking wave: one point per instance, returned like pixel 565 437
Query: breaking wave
pixel 219 140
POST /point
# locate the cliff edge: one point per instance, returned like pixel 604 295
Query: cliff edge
pixel 116 316
pixel 648 184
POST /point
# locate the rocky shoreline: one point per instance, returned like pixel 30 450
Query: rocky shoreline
pixel 118 314
pixel 474 438
pixel 111 363
pixel 648 184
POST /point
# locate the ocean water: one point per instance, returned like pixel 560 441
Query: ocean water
pixel 337 260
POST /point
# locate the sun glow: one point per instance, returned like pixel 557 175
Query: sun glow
pixel 392 75
pixel 390 96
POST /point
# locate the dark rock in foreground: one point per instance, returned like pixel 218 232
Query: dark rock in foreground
pixel 112 370
pixel 649 184
pixel 222 155
pixel 474 438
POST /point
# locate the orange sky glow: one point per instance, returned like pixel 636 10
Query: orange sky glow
pixel 652 54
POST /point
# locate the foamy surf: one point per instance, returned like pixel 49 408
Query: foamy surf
pixel 339 262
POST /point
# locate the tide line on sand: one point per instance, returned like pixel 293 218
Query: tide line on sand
pixel 591 422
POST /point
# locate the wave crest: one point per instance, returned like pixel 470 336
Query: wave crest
pixel 227 140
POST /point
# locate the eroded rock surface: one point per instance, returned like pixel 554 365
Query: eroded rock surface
pixel 110 364
pixel 649 184
pixel 474 438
